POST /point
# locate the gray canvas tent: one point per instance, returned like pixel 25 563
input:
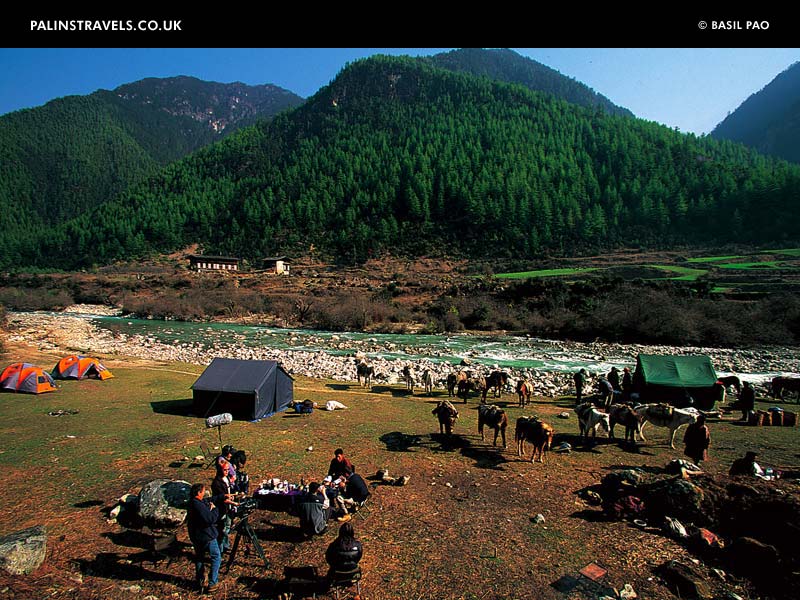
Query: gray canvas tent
pixel 248 389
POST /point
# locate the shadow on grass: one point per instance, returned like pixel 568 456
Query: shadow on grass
pixel 180 408
pixel 448 443
pixel 297 582
pixel 278 532
pixel 580 444
pixel 592 516
pixel 633 448
pixel 88 503
pixel 128 567
pixel 646 469
pixel 396 392
pixel 397 441
pixel 485 457
pixel 339 387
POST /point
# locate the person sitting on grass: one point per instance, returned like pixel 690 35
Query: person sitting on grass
pixel 312 511
pixel 340 465
pixel 355 489
pixel 344 553
pixel 746 465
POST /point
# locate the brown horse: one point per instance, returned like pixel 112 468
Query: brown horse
pixel 410 378
pixel 624 415
pixel 447 415
pixel 494 417
pixel 496 380
pixel 452 381
pixel 365 371
pixel 785 384
pixel 524 392
pixel 537 432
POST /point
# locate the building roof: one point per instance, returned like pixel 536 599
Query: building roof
pixel 210 257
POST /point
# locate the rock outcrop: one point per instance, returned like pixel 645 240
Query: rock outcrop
pixel 163 503
pixel 22 552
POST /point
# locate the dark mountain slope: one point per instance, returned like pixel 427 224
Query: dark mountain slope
pixel 769 120
pixel 509 66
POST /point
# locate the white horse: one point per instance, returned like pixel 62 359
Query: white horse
pixel 590 418
pixel 427 381
pixel 663 415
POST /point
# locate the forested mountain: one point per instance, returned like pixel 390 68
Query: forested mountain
pixel 769 120
pixel 506 65
pixel 397 155
pixel 72 154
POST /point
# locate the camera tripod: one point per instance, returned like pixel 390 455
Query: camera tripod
pixel 243 527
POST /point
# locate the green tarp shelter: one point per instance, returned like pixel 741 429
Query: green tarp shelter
pixel 676 379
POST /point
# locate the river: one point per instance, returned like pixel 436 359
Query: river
pixel 325 354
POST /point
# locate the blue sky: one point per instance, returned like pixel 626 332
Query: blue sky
pixel 692 89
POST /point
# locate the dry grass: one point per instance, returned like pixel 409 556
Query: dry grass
pixel 462 528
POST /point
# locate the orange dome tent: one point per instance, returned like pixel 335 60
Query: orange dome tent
pixel 80 367
pixel 25 377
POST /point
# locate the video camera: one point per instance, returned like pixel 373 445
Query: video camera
pixel 246 507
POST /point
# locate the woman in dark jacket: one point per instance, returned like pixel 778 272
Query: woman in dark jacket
pixel 345 551
pixel 697 439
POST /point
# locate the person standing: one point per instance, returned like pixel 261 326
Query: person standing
pixel 613 379
pixel 697 440
pixel 580 381
pixel 202 518
pixel 747 401
pixel 605 390
pixel 627 384
pixel 221 486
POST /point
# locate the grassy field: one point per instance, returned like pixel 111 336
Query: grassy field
pixel 462 528
pixel 545 273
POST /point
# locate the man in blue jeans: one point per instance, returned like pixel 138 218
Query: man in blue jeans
pixel 202 519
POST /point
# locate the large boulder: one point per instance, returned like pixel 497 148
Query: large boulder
pixel 23 551
pixel 163 503
pixel 684 581
pixel 677 498
pixel 753 558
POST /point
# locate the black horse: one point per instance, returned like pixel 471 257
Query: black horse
pixel 731 380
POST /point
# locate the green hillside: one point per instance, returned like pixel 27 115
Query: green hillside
pixel 397 155
pixel 72 154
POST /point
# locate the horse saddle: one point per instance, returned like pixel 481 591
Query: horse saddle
pixel 663 410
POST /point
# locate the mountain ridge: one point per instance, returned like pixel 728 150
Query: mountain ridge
pixel 397 154
pixel 769 119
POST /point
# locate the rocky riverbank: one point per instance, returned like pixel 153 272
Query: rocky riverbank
pixel 66 332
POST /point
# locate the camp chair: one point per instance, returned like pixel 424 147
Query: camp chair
pixel 362 509
pixel 345 579
pixel 208 456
